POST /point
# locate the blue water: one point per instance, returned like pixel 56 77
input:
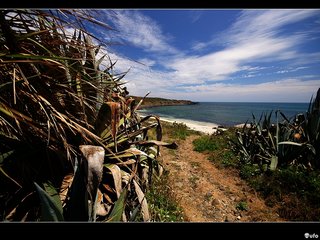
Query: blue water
pixel 226 114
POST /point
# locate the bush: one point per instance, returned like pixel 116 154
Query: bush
pixel 205 143
pixel 179 131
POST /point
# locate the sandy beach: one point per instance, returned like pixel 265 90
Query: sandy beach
pixel 203 127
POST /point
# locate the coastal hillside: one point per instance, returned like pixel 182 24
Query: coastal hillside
pixel 157 102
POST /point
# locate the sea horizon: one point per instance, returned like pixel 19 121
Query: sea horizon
pixel 226 113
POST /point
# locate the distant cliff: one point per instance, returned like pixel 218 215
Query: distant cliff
pixel 158 102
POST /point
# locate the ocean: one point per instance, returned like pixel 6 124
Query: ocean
pixel 225 113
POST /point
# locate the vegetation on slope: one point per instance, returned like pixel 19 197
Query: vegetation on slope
pixel 157 102
pixel 283 159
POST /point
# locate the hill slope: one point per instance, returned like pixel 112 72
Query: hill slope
pixel 157 102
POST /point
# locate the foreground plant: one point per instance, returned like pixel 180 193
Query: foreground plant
pixel 72 146
pixel 288 142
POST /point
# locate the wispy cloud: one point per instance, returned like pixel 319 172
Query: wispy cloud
pixel 140 31
pixel 291 70
pixel 287 90
pixel 254 37
pixel 253 24
pixel 142 79
pixel 197 46
pixel 195 15
pixel 220 65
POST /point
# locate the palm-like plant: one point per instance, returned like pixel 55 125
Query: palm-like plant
pixel 67 128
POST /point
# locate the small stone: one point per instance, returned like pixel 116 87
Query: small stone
pixel 208 195
pixel 238 218
pixel 215 202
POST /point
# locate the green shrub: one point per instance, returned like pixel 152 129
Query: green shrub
pixel 179 131
pixel 247 171
pixel 242 206
pixel 205 143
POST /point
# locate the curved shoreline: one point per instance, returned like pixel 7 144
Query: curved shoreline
pixel 204 127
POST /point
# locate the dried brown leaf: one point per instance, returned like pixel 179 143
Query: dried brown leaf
pixel 142 201
pixel 65 186
pixel 116 173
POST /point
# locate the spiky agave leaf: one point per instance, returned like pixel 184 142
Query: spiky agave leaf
pixel 51 208
pixel 119 206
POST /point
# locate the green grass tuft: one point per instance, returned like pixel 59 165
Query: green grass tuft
pixel 242 206
pixel 163 207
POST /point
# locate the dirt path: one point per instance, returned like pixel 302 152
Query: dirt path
pixel 209 194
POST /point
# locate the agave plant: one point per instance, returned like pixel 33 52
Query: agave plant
pixel 257 144
pixel 299 139
pixel 286 142
pixel 72 146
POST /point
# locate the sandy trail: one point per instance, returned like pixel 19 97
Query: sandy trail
pixel 208 194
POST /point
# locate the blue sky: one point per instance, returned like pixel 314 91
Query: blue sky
pixel 270 55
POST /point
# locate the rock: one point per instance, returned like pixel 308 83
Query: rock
pixel 242 125
pixel 208 195
pixel 215 202
pixel 238 218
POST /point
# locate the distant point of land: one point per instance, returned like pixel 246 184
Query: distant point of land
pixel 158 102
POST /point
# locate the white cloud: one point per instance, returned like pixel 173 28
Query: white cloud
pixel 141 31
pixel 147 62
pixel 265 23
pixel 196 46
pixel 195 15
pixel 255 24
pixel 140 78
pixel 254 37
pixel 220 65
pixel 288 90
pixel 291 70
